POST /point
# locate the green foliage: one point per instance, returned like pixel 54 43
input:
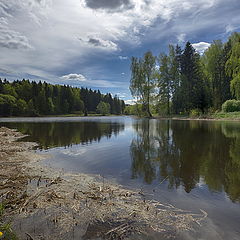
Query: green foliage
pixel 25 98
pixel 137 109
pixel 7 231
pixel 103 108
pixel 195 113
pixel 168 79
pixel 193 92
pixel 6 228
pixel 231 106
pixel 129 110
pixel 235 85
pixel 229 115
pixel 233 65
pixel 7 104
pixel 21 107
pixel 9 90
pixel 2 208
pixel 164 81
pixel 31 111
pixel 214 61
pixel 187 82
pixel 142 81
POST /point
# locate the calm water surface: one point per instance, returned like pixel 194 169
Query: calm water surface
pixel 191 164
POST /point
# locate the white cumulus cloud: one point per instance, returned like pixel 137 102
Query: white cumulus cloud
pixel 201 46
pixel 123 57
pixel 74 77
pixel 130 101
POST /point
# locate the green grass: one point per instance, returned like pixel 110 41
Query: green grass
pixel 217 116
pixel 229 115
pixel 6 227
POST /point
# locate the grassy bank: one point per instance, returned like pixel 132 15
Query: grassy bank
pixel 214 116
pixel 230 115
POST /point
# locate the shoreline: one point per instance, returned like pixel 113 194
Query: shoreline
pixel 185 118
pixel 64 116
pixel 197 119
pixel 46 203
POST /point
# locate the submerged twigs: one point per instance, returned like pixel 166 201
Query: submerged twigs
pixel 32 198
pixel 29 236
pixel 163 180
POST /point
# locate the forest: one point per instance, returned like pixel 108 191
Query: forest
pixel 186 82
pixel 25 98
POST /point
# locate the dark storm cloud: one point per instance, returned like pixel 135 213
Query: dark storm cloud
pixel 109 5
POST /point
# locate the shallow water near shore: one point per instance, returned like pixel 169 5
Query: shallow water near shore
pixel 190 164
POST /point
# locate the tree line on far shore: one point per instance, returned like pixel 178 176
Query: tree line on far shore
pixel 185 82
pixel 25 98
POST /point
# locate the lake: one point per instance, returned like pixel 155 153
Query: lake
pixel 190 164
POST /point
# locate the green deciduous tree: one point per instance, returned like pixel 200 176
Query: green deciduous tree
pixel 7 104
pixel 169 77
pixel 214 61
pixel 143 80
pixel 233 65
pixel 164 81
pixel 103 108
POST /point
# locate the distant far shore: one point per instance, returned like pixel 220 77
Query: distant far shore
pixel 64 115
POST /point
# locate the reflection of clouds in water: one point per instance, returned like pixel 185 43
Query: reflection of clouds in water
pixel 201 183
pixel 93 148
pixel 74 151
pixel 127 131
pixel 156 144
pixel 226 197
pixel 207 230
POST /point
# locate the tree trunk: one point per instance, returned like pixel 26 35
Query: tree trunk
pixel 168 107
pixel 148 101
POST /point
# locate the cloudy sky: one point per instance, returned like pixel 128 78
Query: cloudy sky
pixel 90 42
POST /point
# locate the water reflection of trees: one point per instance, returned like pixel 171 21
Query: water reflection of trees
pixel 188 153
pixel 59 134
pixel 232 167
pixel 143 153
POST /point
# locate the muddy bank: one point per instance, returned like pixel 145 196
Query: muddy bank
pixel 44 203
